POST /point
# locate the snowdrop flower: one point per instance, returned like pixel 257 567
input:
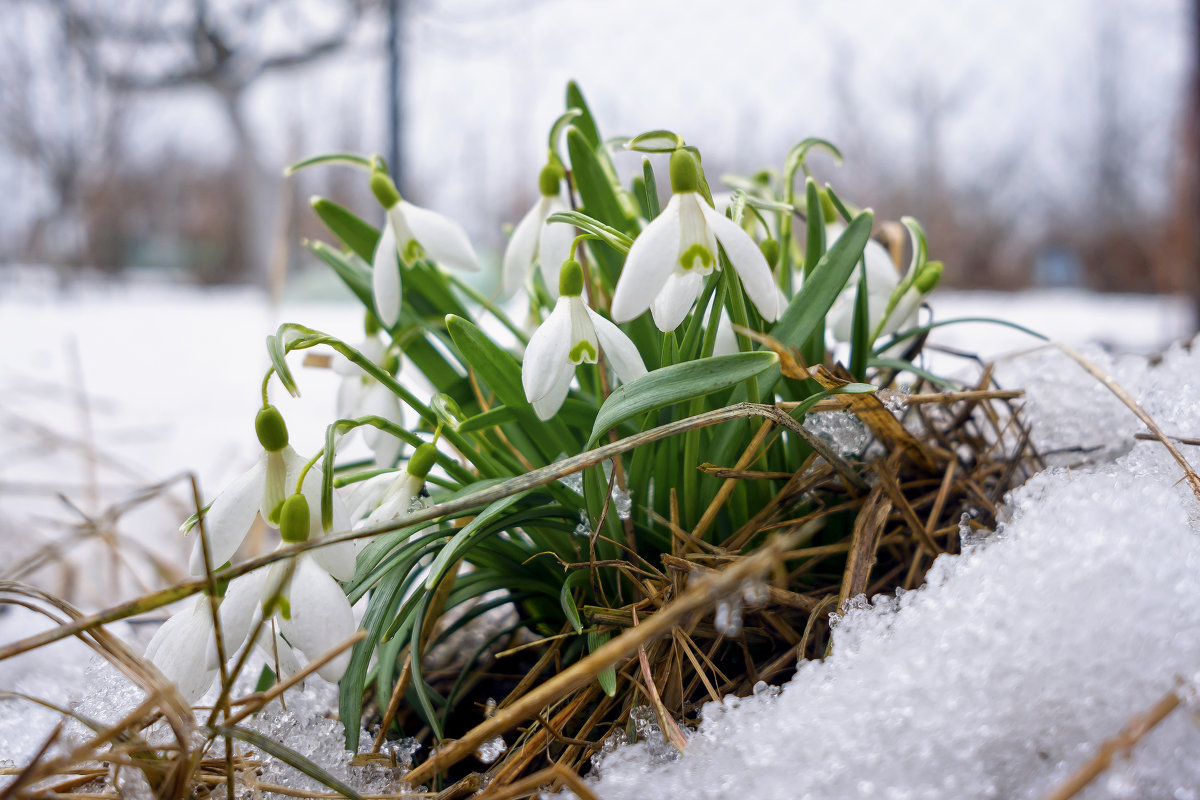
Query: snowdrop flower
pixel 179 649
pixel 883 278
pixel 397 498
pixel 571 335
pixel 410 234
pixel 260 490
pixel 667 264
pixel 536 242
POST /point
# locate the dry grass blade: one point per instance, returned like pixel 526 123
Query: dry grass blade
pixel 666 724
pixel 1189 473
pixel 868 527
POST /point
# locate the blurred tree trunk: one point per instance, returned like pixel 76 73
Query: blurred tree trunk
pixel 1187 204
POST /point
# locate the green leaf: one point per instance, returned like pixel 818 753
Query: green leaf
pixel 276 352
pixel 675 384
pixel 810 305
pixel 607 678
pixel 608 234
pixel 564 119
pixel 351 159
pixel 796 157
pixel 357 234
pixel 567 600
pixel 355 274
pixel 287 756
pixel 466 537
pixel 584 122
pixel 599 197
pixel 651 189
pixel 659 141
pixel 500 415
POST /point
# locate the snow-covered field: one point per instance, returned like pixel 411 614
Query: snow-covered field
pixel 998 679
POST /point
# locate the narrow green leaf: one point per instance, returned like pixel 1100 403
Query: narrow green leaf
pixel 287 756
pixel 564 119
pixel 651 189
pixel 607 678
pixel 567 600
pixel 276 352
pixel 675 384
pixel 860 325
pixel 351 159
pixel 810 305
pixel 500 415
pixel 584 121
pixel 463 539
pixel 609 234
pixel 597 192
pixel 355 274
pixel 357 234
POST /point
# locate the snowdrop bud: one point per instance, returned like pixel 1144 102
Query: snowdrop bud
pixel 549 179
pixel 271 429
pixel 685 172
pixel 570 279
pixel 422 460
pixel 384 189
pixel 770 250
pixel 928 277
pixel 294 519
pixel 828 210
pixel 391 364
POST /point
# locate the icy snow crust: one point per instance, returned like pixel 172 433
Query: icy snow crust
pixel 1003 674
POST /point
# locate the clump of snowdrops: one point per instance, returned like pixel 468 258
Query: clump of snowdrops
pixel 630 315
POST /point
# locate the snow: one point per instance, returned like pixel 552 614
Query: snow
pixel 1004 673
pixel 997 679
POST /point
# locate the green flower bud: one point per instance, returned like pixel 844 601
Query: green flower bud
pixel 549 179
pixel 685 172
pixel 391 364
pixel 294 519
pixel 828 209
pixel 271 429
pixel 570 279
pixel 928 277
pixel 770 251
pixel 422 460
pixel 384 189
pixel 371 324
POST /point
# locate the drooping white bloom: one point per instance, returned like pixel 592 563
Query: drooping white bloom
pixel 179 649
pixel 882 279
pixel 667 264
pixel 395 499
pixel 411 233
pixel 573 334
pixel 260 490
pixel 536 242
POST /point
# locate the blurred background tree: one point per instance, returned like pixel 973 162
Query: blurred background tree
pixel 1041 144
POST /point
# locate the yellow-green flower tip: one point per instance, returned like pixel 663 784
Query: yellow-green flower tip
pixel 384 189
pixel 929 277
pixel 422 460
pixel 770 251
pixel 549 179
pixel 828 209
pixel 371 324
pixel 570 279
pixel 391 364
pixel 294 519
pixel 685 172
pixel 271 429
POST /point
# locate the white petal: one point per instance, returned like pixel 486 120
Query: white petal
pixel 522 248
pixel 549 404
pixel 694 231
pixel 240 609
pixel 554 247
pixel 545 360
pixel 338 559
pixel 904 315
pixel 748 260
pixel 379 401
pixel 178 650
pixel 229 518
pixel 841 316
pixel 618 348
pixel 726 342
pixel 582 333
pixel 385 278
pixel 279 654
pixel 650 262
pixel 320 617
pixel 397 499
pixel 442 239
pixel 386 451
pixel 350 396
pixel 676 299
